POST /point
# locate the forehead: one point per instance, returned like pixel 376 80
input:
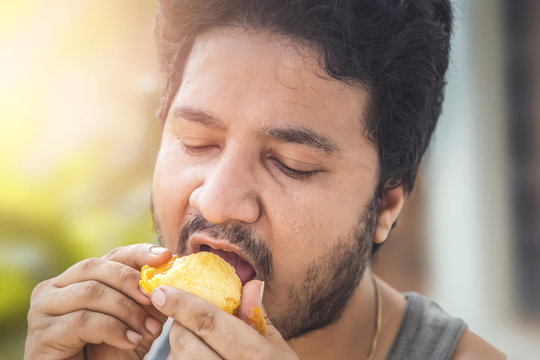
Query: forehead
pixel 264 78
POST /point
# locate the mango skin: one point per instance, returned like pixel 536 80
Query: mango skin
pixel 203 274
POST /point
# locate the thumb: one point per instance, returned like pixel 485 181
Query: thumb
pixel 252 312
pixel 251 309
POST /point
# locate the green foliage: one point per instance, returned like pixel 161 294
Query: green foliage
pixel 41 238
pixel 78 141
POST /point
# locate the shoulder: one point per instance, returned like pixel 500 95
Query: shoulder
pixel 472 346
pixel 426 331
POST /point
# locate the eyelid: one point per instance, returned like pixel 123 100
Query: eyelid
pixel 197 147
pixel 292 173
pixel 195 150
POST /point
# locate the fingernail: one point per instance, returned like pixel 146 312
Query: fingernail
pixel 158 297
pixel 261 291
pixel 133 336
pixel 156 250
pixel 152 325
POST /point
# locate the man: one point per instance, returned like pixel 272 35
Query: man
pixel 292 133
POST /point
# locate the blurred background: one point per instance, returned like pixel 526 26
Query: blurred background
pixel 79 86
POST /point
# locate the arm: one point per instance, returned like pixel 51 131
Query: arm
pixel 472 346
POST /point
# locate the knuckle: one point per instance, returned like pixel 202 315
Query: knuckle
pixel 92 289
pixel 114 252
pixel 39 302
pixel 41 289
pixel 130 307
pixel 177 339
pixel 89 264
pixel 111 253
pixel 38 290
pixel 81 318
pixel 108 323
pixel 205 322
pixel 181 342
pixel 125 274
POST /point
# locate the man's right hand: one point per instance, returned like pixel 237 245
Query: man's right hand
pixel 95 308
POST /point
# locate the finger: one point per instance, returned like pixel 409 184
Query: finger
pixel 156 314
pixel 252 311
pixel 95 296
pixel 116 275
pixel 38 289
pixel 138 255
pixel 187 345
pixel 214 326
pixel 81 327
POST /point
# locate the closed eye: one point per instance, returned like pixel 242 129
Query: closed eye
pixel 292 173
pixel 197 150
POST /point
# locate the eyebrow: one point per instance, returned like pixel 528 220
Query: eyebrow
pixel 196 115
pixel 292 135
pixel 303 136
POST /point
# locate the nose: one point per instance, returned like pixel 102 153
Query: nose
pixel 228 192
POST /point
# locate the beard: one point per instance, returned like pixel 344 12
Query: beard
pixel 320 298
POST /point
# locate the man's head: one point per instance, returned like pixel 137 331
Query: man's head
pixel 397 51
pixel 292 134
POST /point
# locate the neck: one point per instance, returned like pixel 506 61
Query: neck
pixel 351 335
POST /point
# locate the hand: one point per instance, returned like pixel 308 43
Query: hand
pixel 95 308
pixel 202 330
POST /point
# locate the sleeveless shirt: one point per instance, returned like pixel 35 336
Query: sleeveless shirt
pixel 426 333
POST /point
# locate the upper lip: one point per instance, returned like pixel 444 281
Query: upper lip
pixel 199 239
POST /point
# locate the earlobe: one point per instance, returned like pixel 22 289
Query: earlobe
pixel 392 203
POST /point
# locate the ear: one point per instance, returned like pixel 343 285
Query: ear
pixel 392 203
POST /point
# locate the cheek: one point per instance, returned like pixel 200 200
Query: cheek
pixel 301 230
pixel 313 219
pixel 307 225
pixel 171 188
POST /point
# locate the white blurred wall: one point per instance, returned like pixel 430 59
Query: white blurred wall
pixel 469 223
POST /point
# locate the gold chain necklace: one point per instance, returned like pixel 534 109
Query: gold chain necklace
pixel 379 316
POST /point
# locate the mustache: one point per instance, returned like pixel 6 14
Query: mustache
pixel 243 237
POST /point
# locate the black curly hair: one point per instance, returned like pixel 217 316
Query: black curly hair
pixel 396 49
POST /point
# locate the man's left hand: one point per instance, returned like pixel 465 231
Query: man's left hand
pixel 202 330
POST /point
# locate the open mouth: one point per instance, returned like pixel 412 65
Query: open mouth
pixel 243 269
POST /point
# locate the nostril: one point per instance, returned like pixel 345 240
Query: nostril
pixel 204 247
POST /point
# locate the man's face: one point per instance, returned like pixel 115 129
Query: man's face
pixel 264 162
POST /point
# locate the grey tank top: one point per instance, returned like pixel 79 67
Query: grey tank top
pixel 426 333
